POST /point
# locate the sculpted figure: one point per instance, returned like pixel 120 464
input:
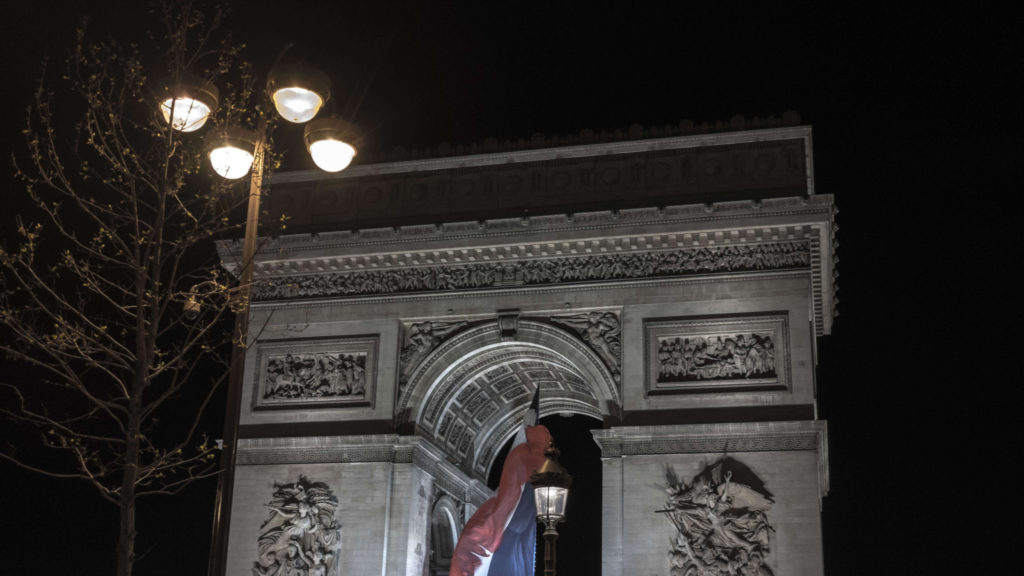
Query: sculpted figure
pixel 720 520
pixel 424 337
pixel 300 537
pixel 601 331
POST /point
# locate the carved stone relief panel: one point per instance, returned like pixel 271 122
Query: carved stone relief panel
pixel 721 521
pixel 336 372
pixel 300 536
pixel 717 354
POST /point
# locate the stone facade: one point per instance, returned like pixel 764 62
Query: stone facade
pixel 392 364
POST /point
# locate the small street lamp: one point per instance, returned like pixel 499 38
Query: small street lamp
pixel 551 485
pixel 298 94
pixel 188 103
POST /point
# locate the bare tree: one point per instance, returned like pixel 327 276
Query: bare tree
pixel 110 295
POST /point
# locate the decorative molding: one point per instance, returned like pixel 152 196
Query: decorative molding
pixel 690 220
pixel 811 435
pixel 322 450
pixel 717 354
pixel 709 438
pixel 313 258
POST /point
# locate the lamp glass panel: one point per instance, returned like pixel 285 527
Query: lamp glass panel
pixel 189 114
pixel 550 500
pixel 332 155
pixel 296 104
pixel 231 162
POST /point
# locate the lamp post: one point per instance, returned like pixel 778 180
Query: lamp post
pixel 551 485
pixel 298 93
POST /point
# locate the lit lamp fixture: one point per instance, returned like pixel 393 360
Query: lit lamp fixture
pixel 186 105
pixel 328 141
pixel 298 92
pixel 550 492
pixel 231 152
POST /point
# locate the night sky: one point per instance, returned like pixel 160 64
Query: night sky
pixel 917 116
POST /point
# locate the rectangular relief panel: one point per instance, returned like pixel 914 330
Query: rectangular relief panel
pixel 717 354
pixel 330 373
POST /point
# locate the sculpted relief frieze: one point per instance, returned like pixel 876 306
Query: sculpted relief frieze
pixel 715 354
pixel 334 372
pixel 540 271
pixel 320 375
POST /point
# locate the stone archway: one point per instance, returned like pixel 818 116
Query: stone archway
pixel 445 527
pixel 468 395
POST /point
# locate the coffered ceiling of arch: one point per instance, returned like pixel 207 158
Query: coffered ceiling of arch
pixel 466 408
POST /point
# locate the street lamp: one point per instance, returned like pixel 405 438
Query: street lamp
pixel 298 94
pixel 550 492
pixel 327 140
pixel 231 152
pixel 187 103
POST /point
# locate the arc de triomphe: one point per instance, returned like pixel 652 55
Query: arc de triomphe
pixel 671 287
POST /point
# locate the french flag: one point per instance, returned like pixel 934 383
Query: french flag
pixel 500 539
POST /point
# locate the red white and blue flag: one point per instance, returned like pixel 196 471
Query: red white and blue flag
pixel 500 539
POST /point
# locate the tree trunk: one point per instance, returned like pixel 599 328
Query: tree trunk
pixel 126 507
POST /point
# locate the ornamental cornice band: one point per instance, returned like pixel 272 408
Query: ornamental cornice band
pixel 322 450
pixel 559 270
pixel 711 438
pixel 291 246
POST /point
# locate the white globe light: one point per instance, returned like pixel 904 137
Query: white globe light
pixel 230 161
pixel 296 104
pixel 331 155
pixel 188 114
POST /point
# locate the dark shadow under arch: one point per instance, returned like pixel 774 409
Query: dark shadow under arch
pixel 579 537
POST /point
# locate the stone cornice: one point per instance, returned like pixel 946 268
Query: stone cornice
pixel 393 448
pixel 694 221
pixel 323 449
pixel 749 165
pixel 719 439
pixel 517 240
pixel 551 154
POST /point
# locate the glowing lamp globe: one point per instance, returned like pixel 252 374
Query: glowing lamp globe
pixel 329 143
pixel 231 152
pixel 551 485
pixel 550 502
pixel 297 104
pixel 187 105
pixel 298 92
